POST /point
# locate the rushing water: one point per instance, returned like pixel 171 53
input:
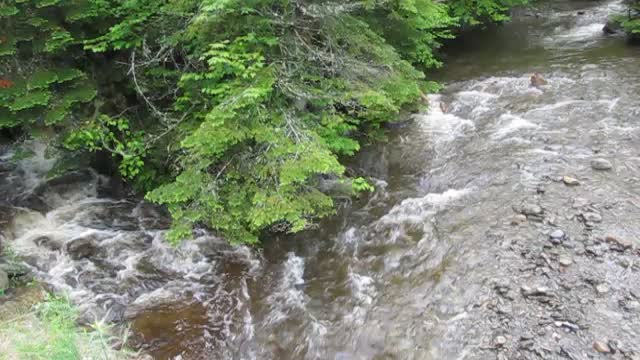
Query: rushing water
pixel 430 266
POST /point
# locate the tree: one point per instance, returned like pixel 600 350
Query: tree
pixel 231 113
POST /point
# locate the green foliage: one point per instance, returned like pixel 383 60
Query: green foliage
pixel 476 12
pixel 631 21
pixel 230 113
pixel 50 333
pixel 40 83
pixel 114 135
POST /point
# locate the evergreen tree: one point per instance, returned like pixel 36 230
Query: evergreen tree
pixel 229 112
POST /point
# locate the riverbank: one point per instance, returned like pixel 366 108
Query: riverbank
pixel 503 226
pixel 36 325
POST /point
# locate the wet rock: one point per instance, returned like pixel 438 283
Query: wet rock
pixel 530 209
pixel 565 260
pixel 80 248
pixel 570 181
pixel 601 164
pixel 499 341
pixel 632 306
pixel 537 80
pixel 602 288
pixel 567 325
pixel 4 280
pixel 535 291
pixel 6 166
pixel 13 268
pixel 579 202
pixel 601 347
pixel 557 236
pixel 518 219
pixel 619 244
pixel 613 27
pixel 581 12
pixel 47 243
pixel 592 217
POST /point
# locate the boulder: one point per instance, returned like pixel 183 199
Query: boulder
pixel 601 164
pixel 537 80
pixel 82 247
pixel 47 243
pixel 613 28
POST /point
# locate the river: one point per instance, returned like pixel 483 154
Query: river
pixel 473 246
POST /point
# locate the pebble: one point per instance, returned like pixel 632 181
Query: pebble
pixel 592 217
pixel 579 202
pixel 538 291
pixel 602 288
pixel 601 164
pixel 601 347
pixel 557 236
pixel 632 306
pixel 623 243
pixel 565 260
pixel 518 219
pixel 500 340
pixel 570 181
pixel 530 209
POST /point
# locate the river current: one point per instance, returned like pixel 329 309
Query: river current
pixel 452 257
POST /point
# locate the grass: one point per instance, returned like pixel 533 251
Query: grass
pixel 44 328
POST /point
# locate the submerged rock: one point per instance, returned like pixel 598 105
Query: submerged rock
pixel 570 181
pixel 47 243
pixel 80 248
pixel 601 164
pixel 591 217
pixel 613 27
pixel 518 219
pixel 530 209
pixel 537 80
pixel 557 236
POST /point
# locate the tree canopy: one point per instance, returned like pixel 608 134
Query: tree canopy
pixel 228 112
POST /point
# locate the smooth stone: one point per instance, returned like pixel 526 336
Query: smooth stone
pixel 632 306
pixel 80 248
pixel 624 243
pixel 602 288
pixel 531 209
pixel 601 164
pixel 592 217
pixel 565 260
pixel 601 347
pixel 518 219
pixel 570 181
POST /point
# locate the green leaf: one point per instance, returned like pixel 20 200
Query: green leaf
pixel 31 99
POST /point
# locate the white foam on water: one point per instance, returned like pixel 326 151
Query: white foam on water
pixel 416 210
pixel 440 126
pixel 577 34
pixel 288 296
pixel 362 287
pixel 508 124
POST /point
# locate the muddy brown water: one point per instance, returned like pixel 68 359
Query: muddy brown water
pixel 430 266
